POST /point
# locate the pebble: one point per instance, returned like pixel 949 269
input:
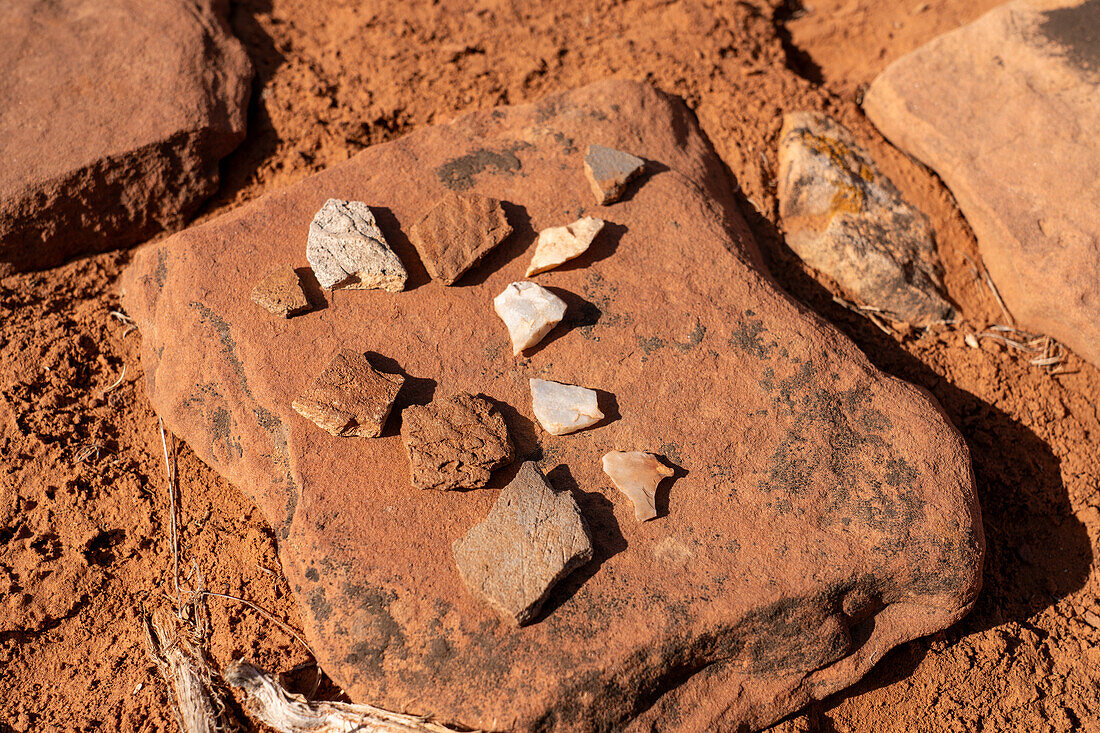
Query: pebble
pixel 564 408
pixel 280 291
pixel 349 399
pixel 458 231
pixel 609 170
pixel 530 311
pixel 346 249
pixel 637 474
pixel 454 443
pixel 532 538
pixel 561 244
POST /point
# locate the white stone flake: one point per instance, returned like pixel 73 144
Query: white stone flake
pixel 563 408
pixel 637 474
pixel 530 311
pixel 560 244
pixel 346 249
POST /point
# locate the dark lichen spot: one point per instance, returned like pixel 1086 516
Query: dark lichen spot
pixel 458 174
pixel 160 274
pixel 748 337
pixel 1076 31
pixel 312 574
pixel 320 606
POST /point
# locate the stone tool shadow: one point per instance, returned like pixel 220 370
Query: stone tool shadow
pixel 514 245
pixel 578 313
pixel 1037 550
pixel 415 391
pixel 652 168
pixel 315 294
pixel 525 443
pixel 402 247
pixel 663 496
pixel 602 247
pixel 603 529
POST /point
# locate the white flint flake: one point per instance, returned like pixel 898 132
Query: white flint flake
pixel 637 474
pixel 560 244
pixel 563 408
pixel 530 311
pixel 346 249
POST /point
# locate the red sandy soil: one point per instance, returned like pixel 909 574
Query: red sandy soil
pixel 84 546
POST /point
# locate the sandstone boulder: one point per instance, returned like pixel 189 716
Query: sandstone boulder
pixel 113 117
pixel 1007 111
pixel 845 218
pixel 824 512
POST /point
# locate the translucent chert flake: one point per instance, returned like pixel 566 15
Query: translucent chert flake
pixel 561 244
pixel 346 249
pixel 637 474
pixel 530 311
pixel 564 408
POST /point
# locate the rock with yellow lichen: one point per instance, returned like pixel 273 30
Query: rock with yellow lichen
pixel 844 218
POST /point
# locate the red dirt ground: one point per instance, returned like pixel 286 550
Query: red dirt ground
pixel 83 501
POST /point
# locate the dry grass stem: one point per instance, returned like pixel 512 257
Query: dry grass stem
pixel 266 614
pixel 267 700
pixel 997 296
pixel 173 522
pixel 117 382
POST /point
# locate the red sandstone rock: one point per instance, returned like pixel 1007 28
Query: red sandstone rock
pixel 454 443
pixel 1007 111
pixel 281 293
pixel 349 398
pixel 113 116
pixel 458 231
pixel 825 512
pixel 532 538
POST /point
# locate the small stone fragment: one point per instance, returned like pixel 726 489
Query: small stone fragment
pixel 972 341
pixel 609 171
pixel 845 218
pixel 563 408
pixel 560 244
pixel 530 311
pixel 349 398
pixel 346 249
pixel 532 538
pixel 458 231
pixel 281 293
pixel 637 474
pixel 455 443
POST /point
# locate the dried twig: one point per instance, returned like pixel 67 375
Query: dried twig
pixel 997 296
pixel 197 699
pixel 122 317
pixel 266 699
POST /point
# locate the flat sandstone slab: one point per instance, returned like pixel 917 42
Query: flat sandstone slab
pixel 113 117
pixel 1007 111
pixel 824 515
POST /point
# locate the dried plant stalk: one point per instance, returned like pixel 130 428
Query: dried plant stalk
pixel 266 699
pixel 196 699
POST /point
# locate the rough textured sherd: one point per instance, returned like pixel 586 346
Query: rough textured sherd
pixel 346 249
pixel 609 170
pixel 281 292
pixel 459 230
pixel 454 443
pixel 564 408
pixel 845 218
pixel 637 474
pixel 1006 111
pixel 530 311
pixel 350 399
pixel 825 513
pixel 532 538
pixel 114 115
pixel 561 244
